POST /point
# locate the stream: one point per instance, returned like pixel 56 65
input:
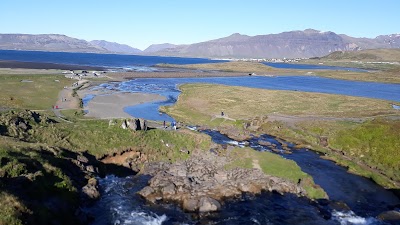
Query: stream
pixel 353 199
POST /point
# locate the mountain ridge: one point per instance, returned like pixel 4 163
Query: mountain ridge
pixel 290 44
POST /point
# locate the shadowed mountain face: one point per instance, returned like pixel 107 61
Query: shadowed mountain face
pixel 47 42
pixel 116 47
pixel 293 44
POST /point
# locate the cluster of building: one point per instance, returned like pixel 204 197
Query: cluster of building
pixel 283 60
pixel 84 73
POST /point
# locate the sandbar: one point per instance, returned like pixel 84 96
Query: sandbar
pixel 112 106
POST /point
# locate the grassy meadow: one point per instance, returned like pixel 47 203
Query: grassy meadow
pixel 275 165
pixel 31 91
pixel 379 73
pixel 364 130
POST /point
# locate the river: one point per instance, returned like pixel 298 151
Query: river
pixel 353 199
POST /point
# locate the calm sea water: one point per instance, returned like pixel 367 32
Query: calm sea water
pixel 134 62
pixel 93 59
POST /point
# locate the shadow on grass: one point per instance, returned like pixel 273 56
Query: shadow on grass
pixel 48 182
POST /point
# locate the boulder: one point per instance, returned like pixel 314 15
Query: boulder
pixel 90 190
pixel 168 190
pixel 124 125
pixel 207 204
pixel 143 124
pixel 146 191
pixel 133 125
pixel 190 205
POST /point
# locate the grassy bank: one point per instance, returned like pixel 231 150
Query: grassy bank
pixel 358 132
pixel 381 72
pixel 275 165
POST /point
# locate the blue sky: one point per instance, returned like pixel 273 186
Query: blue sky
pixel 141 23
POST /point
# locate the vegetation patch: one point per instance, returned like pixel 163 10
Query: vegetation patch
pixel 275 165
pixel 365 130
pixel 375 143
pixel 200 103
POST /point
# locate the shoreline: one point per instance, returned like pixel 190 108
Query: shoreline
pixel 112 106
pixel 121 76
pixel 11 64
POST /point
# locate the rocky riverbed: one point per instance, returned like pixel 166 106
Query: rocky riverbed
pixel 201 183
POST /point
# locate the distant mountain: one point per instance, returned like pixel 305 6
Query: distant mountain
pixel 292 44
pixel 47 42
pixel 116 47
pixel 158 47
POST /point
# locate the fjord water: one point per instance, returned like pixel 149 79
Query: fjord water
pixel 131 62
pixel 99 60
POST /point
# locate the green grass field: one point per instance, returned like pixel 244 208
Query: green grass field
pixel 199 103
pixel 380 72
pixel 365 130
pixel 40 93
pixel 275 165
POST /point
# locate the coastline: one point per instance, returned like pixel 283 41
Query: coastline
pixel 40 65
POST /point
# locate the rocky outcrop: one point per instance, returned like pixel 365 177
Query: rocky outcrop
pixel 91 189
pixel 19 123
pixel 392 217
pixel 134 124
pixel 200 183
pixel 130 159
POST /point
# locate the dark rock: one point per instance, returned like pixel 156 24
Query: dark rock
pixel 143 124
pixel 390 216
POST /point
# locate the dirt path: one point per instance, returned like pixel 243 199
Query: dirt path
pixel 66 100
pixel 225 117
